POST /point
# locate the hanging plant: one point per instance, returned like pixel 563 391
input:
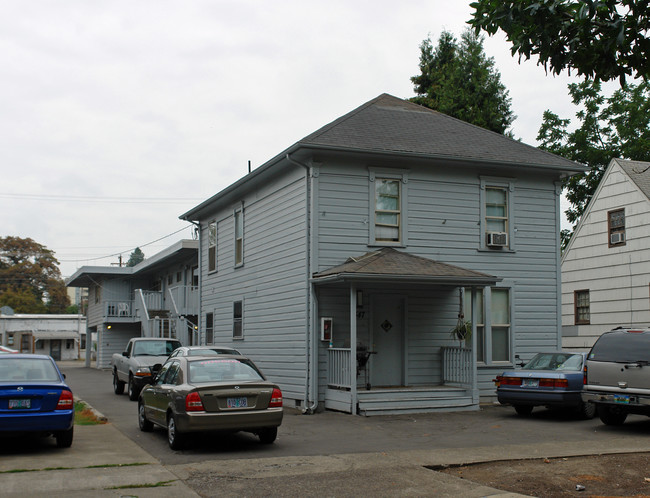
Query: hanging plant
pixel 462 331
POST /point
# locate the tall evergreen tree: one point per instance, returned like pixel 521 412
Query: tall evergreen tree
pixel 459 80
pixel 137 256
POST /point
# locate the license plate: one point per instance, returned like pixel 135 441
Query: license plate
pixel 237 402
pixel 529 382
pixel 20 404
pixel 622 398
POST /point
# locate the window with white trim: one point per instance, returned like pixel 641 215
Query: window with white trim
pixel 212 246
pixel 616 227
pixel 497 227
pixel 387 202
pixel 209 328
pixel 480 320
pixel 239 237
pixel 494 338
pixel 237 320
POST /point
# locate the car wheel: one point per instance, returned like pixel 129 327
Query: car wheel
pixel 118 385
pixel 268 435
pixel 587 410
pixel 145 424
pixel 523 410
pixel 175 439
pixel 64 438
pixel 133 391
pixel 611 415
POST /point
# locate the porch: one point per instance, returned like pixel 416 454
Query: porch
pixel 455 393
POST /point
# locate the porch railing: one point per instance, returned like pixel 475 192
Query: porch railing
pixel 185 299
pixel 338 372
pixel 457 365
pixel 153 300
pixel 123 309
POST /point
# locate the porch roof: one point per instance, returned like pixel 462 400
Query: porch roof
pixel 389 264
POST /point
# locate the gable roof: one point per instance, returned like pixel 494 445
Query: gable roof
pixel 639 173
pixel 388 125
pixel 390 264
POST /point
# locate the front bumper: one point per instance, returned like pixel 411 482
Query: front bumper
pixel 237 421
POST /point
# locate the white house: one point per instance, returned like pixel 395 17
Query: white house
pixel 606 266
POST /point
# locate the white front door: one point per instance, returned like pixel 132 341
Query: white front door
pixel 387 365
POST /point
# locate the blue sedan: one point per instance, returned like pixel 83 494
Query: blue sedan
pixel 34 398
pixel 553 380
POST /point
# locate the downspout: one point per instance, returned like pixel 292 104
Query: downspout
pixel 200 316
pixel 312 363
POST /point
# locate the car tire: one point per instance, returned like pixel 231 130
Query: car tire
pixel 175 439
pixel 587 410
pixel 133 390
pixel 268 435
pixel 143 422
pixel 523 410
pixel 611 415
pixel 64 438
pixel 118 385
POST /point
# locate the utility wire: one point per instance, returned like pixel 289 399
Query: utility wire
pixel 94 199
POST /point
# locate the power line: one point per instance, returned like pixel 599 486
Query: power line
pixel 97 199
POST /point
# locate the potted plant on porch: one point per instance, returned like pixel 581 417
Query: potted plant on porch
pixel 462 332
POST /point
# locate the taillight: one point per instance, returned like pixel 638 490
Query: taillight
pixel 193 403
pixel 509 381
pixel 276 399
pixel 553 383
pixel 584 375
pixel 66 401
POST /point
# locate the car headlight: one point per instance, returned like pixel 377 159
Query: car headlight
pixel 143 372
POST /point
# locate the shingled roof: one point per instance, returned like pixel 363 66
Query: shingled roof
pixel 389 124
pixel 391 264
pixel 639 173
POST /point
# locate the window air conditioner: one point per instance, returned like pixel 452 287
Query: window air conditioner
pixel 497 239
pixel 617 238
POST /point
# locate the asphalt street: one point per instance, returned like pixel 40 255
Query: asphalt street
pixel 332 433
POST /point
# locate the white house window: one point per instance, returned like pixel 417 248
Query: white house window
pixel 616 227
pixel 209 328
pixel 237 320
pixel 387 210
pixel 239 237
pixel 500 333
pixel 212 246
pixel 496 210
pixel 480 320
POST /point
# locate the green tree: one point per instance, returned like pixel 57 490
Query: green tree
pixel 607 128
pixel 30 279
pixel 137 256
pixel 458 79
pixel 600 39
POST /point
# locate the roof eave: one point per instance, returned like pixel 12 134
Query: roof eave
pixel 414 279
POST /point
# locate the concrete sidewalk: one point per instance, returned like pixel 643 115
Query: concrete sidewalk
pixel 101 462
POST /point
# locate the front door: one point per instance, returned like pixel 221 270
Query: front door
pixel 387 364
pixel 55 349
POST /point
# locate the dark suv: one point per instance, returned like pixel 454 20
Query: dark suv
pixel 617 374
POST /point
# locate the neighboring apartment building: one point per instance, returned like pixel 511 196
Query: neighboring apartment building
pixel 606 265
pixel 156 298
pixel 60 336
pixel 342 264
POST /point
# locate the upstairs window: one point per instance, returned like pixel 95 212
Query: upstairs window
pixel 496 209
pixel 237 320
pixel 581 307
pixel 212 246
pixel 616 227
pixel 387 210
pixel 496 214
pixel 239 237
pixel 209 328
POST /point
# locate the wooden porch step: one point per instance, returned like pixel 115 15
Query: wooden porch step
pixel 424 400
pixel 411 393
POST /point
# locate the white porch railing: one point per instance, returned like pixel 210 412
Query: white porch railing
pixel 185 298
pixel 457 365
pixel 153 300
pixel 338 371
pixel 122 309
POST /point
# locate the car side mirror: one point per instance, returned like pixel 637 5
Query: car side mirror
pixel 156 369
pixel 125 354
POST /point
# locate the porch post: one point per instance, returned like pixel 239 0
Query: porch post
pixel 475 392
pixel 353 347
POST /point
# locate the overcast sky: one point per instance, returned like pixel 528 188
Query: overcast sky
pixel 118 116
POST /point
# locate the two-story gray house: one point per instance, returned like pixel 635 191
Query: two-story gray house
pixel 342 265
pixel 158 297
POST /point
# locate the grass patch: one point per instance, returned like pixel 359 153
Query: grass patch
pixel 159 484
pixel 17 471
pixel 84 415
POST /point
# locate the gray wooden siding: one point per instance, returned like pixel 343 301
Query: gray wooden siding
pixel 443 221
pixel 272 283
pixel 114 341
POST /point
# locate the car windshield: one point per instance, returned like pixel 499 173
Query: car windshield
pixel 623 347
pixel 210 352
pixel 555 361
pixel 155 348
pixel 223 370
pixel 27 370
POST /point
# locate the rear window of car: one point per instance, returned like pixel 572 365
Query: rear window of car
pixel 622 347
pixel 555 361
pixel 28 370
pixel 223 371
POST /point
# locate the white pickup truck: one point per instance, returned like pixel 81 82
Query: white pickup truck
pixel 133 367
